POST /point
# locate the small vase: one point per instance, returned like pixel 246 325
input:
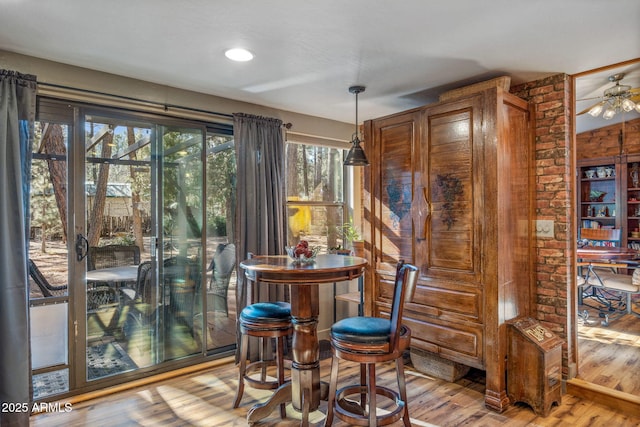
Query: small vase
pixel 358 248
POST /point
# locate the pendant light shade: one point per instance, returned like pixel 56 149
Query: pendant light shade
pixel 356 156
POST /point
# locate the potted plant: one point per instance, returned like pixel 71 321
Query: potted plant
pixel 339 250
pixel 352 235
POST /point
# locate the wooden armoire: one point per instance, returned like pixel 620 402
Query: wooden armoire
pixel 450 189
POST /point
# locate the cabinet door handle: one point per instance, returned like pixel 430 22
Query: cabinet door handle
pixel 421 212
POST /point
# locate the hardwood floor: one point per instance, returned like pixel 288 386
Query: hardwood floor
pixel 204 398
pixel 610 355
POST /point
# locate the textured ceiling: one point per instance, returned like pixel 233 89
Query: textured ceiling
pixel 307 53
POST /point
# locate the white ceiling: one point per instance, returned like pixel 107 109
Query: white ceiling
pixel 307 53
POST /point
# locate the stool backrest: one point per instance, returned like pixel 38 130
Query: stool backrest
pixel 404 288
pixel 143 283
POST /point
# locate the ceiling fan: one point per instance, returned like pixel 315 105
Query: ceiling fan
pixel 615 99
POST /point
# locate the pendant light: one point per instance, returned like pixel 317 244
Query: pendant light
pixel 356 156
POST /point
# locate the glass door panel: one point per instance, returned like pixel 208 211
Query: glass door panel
pixel 121 295
pixel 221 251
pixel 181 240
pixel 48 261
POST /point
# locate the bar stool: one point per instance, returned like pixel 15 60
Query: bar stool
pixel 264 320
pixel 367 341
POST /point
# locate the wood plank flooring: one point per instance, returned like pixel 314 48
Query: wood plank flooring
pixel 610 355
pixel 204 399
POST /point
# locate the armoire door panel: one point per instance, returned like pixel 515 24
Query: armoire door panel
pixel 452 246
pixel 394 141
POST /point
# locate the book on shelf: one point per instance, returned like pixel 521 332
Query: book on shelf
pixel 589 223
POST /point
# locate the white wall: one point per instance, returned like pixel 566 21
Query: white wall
pixel 82 78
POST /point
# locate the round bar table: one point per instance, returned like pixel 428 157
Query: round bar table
pixel 304 389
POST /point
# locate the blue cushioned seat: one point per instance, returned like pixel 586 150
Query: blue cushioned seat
pixel 368 341
pixel 266 311
pixel 362 330
pixel 265 321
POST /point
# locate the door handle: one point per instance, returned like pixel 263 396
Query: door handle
pixel 421 211
pixel 82 247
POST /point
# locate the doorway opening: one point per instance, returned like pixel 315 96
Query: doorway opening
pixel 607 337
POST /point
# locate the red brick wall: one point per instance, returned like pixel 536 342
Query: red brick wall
pixel 606 141
pixel 554 164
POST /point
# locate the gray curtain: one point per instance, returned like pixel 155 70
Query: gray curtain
pixel 260 213
pixel 17 114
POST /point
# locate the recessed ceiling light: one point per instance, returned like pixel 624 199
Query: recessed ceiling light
pixel 239 54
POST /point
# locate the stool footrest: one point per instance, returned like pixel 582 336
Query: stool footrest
pixel 351 411
pixel 256 367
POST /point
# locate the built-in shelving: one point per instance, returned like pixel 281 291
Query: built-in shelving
pixel 609 196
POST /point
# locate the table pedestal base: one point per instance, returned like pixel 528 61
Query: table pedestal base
pixel 305 391
pixel 262 410
pixel 283 395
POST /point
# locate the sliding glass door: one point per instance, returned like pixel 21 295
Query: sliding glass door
pixel 143 243
pixel 115 246
pixel 121 213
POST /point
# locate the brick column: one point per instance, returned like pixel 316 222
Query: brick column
pixel 555 166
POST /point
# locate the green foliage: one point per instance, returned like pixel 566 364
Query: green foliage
pixel 44 211
pixel 350 232
pixel 217 227
pixel 221 183
pixel 125 240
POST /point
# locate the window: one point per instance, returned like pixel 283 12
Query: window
pixel 315 195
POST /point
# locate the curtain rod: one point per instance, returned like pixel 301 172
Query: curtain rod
pixel 128 98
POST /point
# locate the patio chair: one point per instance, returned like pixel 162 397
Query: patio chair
pixel 141 289
pixel 46 288
pixel 222 264
pixel 139 302
pixel 112 256
pixel 100 257
pixel 183 278
pixel 101 297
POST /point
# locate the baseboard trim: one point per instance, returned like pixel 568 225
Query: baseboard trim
pixel 77 399
pixel 614 399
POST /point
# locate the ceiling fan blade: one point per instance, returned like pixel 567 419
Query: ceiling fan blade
pixel 635 90
pixel 586 110
pixel 588 99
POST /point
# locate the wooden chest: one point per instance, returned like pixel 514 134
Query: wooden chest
pixel 534 365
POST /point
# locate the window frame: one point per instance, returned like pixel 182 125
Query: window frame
pixel 345 204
